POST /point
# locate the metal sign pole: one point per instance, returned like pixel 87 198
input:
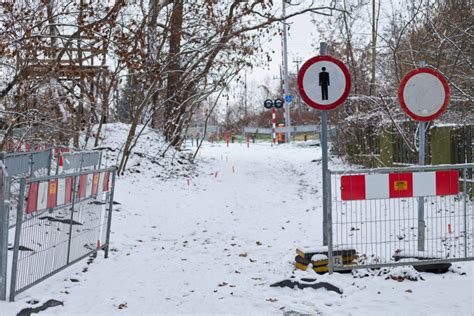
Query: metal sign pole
pixel 324 148
pixel 3 237
pixel 421 200
pixel 286 86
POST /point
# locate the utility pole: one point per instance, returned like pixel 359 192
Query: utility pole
pixel 374 52
pixel 245 94
pixel 297 61
pixel 286 87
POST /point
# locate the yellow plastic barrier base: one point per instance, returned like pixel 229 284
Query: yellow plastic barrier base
pixel 303 259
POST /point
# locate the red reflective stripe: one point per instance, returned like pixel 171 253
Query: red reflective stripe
pixel 353 188
pixel 95 184
pixel 82 186
pixel 401 185
pixel 68 190
pixel 106 181
pixel 32 201
pixel 52 193
pixel 447 182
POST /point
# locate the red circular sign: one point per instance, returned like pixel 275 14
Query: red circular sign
pixel 324 82
pixel 424 94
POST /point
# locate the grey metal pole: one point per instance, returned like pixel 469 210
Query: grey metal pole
pixel 16 246
pixel 329 223
pixel 466 197
pixel 30 163
pixel 75 200
pixel 324 148
pixel 51 153
pixel 3 236
pixel 286 86
pixel 109 219
pixel 421 199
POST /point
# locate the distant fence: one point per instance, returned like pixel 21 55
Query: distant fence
pixel 294 129
pixel 297 129
pixel 60 220
pixel 202 131
pixel 401 216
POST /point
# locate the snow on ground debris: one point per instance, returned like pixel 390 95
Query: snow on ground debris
pixel 215 242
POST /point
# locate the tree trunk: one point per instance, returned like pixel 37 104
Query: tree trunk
pixel 174 108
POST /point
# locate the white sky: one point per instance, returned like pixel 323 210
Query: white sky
pixel 303 35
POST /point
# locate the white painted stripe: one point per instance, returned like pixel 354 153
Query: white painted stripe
pixel 89 185
pixel 61 197
pixel 100 189
pixel 377 186
pixel 42 195
pixel 424 183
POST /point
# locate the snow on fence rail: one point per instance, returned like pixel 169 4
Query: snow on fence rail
pixel 61 219
pixel 399 216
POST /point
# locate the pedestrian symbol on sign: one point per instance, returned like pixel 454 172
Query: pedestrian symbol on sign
pixel 324 83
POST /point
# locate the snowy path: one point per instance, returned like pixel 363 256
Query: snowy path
pixel 216 245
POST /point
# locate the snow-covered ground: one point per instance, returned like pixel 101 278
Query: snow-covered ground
pixel 213 242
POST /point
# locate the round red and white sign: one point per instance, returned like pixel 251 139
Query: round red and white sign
pixel 324 82
pixel 424 94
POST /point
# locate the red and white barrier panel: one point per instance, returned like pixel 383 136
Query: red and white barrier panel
pixel 56 192
pixel 399 185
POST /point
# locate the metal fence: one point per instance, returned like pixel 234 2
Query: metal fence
pixel 60 220
pixel 19 165
pixel 80 161
pixel 34 163
pixel 431 223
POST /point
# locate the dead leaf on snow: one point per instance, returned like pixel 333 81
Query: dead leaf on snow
pixel 122 306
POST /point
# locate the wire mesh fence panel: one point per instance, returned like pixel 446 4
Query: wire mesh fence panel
pixel 80 161
pixel 21 165
pixel 60 220
pixel 391 216
pixel 87 226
